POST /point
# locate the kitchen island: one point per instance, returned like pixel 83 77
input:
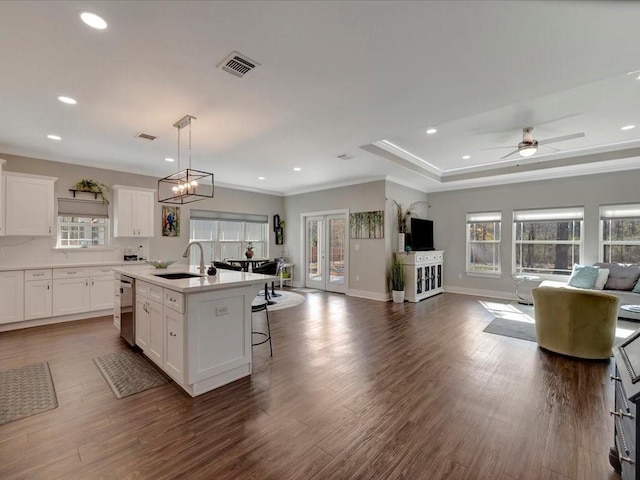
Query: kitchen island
pixel 196 329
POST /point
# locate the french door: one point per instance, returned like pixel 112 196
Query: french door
pixel 326 252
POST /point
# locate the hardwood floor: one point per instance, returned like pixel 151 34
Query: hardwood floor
pixel 355 389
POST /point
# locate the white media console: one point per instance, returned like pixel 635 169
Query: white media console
pixel 423 274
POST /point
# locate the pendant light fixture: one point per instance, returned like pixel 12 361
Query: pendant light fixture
pixel 188 185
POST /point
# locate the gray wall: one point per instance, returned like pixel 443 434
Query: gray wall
pixel 33 250
pixel 449 209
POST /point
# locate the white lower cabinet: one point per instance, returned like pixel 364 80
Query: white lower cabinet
pixel 11 296
pixel 70 295
pixel 174 347
pixel 38 296
pixel 101 295
pixel 150 321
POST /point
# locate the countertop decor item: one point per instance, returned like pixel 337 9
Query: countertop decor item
pixel 249 252
pixel 160 263
pixel 188 185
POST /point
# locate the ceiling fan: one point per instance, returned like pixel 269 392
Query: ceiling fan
pixel 528 146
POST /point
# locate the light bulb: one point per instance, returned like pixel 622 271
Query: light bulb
pixel 175 189
pixel 181 187
pixel 527 152
pixel 194 183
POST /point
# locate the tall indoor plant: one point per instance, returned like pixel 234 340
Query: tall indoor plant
pixel 404 213
pixel 397 280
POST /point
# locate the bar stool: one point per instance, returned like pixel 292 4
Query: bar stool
pixel 258 305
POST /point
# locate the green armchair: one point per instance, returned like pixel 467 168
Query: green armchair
pixel 576 322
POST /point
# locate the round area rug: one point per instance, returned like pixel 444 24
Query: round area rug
pixel 288 299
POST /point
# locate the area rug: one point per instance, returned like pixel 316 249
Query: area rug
pixel 26 391
pixel 128 373
pixel 512 328
pixel 286 300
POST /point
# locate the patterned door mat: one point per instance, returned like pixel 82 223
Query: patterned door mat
pixel 128 373
pixel 26 391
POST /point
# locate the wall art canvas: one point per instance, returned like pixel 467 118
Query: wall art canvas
pixel 367 224
pixel 170 221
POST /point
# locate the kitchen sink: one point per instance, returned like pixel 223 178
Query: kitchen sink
pixel 176 276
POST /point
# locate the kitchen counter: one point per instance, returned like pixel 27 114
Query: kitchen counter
pixel 42 266
pixel 222 280
pixel 197 330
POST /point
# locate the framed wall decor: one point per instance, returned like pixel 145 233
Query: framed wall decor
pixel 367 224
pixel 170 221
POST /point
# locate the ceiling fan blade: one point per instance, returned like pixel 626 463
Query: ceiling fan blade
pixel 508 154
pixel 561 139
pixel 550 148
pixel 496 148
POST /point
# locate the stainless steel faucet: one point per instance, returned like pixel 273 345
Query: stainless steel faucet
pixel 186 255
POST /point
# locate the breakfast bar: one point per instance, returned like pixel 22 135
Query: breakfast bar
pixel 196 328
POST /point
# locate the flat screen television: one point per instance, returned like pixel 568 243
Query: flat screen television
pixel 422 234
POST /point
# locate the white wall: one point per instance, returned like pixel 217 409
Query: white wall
pixel 449 209
pixel 22 251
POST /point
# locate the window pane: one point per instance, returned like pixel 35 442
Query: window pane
pixel 203 230
pixel 547 231
pixel 484 257
pixel 230 231
pixel 621 230
pixel 258 250
pixel 621 254
pixel 549 258
pixel 82 232
pixel 231 250
pixel 489 231
pixel 255 232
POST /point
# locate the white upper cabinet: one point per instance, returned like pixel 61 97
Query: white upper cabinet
pixel 133 211
pixel 29 204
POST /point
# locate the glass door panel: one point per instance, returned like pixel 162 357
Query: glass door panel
pixel 336 249
pixel 326 252
pixel 314 245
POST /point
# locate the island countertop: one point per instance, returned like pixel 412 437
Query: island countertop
pixel 223 279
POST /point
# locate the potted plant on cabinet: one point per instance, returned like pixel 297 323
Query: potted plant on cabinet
pixel 397 280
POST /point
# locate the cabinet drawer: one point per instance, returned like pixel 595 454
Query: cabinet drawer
pixel 70 272
pixel 37 274
pixel 174 300
pixel 101 271
pixel 149 290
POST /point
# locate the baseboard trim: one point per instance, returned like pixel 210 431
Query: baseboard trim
pixel 381 297
pixel 476 292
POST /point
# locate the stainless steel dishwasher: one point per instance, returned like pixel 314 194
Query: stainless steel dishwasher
pixel 128 309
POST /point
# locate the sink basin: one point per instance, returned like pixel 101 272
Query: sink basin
pixel 176 276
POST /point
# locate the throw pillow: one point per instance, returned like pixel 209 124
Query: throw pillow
pixel 603 274
pixel 583 276
pixel 621 276
pixel 636 289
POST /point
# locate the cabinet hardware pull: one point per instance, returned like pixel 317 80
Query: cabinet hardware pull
pixel 172 334
pixel 48 286
pixel 617 414
pixel 49 229
pixel 614 378
pixel 625 459
pixel 38 274
pixel 86 283
pixel 92 284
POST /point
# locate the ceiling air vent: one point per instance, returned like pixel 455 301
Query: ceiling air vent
pixel 146 136
pixel 345 156
pixel 237 64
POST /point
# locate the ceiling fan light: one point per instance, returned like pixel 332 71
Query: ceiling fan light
pixel 527 151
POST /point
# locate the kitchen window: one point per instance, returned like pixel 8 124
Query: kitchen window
pixel 82 224
pixel 547 241
pixel 620 233
pixel 483 242
pixel 226 235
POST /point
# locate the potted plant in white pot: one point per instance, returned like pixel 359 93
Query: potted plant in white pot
pixel 397 280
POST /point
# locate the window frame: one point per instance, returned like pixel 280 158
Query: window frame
pixel 551 214
pixel 473 218
pixel 628 211
pixel 82 225
pixel 215 244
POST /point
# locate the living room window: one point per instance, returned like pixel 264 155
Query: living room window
pixel 226 235
pixel 620 233
pixel 483 242
pixel 547 241
pixel 82 224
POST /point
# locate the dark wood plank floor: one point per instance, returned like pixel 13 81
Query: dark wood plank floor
pixel 355 389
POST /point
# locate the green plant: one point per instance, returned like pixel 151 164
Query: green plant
pixel 89 185
pixel 397 275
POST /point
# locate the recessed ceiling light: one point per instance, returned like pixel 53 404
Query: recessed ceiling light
pixel 67 100
pixel 260 178
pixel 54 137
pixel 296 169
pixel 466 157
pixel 169 159
pixel 628 127
pixel 431 131
pixel 93 20
pixel 638 77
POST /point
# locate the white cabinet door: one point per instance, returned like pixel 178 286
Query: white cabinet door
pixel 133 212
pixel 101 296
pixel 174 351
pixel 37 299
pixel 70 295
pixel 11 296
pixel 144 213
pixel 143 323
pixel 29 205
pixel 156 335
pixel 2 201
